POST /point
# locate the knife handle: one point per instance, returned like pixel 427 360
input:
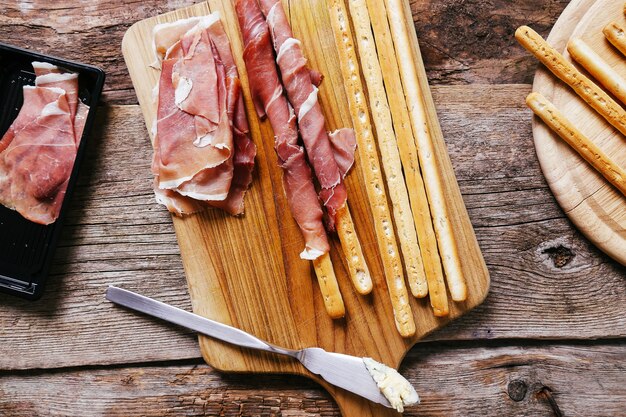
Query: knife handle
pixel 191 321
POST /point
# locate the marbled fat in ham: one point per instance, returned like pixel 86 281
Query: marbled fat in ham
pixel 270 100
pixel 302 93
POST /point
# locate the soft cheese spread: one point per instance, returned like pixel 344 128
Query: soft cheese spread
pixel 393 386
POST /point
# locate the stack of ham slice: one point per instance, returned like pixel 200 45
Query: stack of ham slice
pixel 330 155
pixel 37 152
pixel 203 154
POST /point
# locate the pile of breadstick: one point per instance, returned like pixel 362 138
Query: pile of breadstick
pixel 398 139
pixel 593 95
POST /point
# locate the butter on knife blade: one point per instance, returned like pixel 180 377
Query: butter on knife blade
pixel 394 386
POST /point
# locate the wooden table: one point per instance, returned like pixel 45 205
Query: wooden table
pixel 548 340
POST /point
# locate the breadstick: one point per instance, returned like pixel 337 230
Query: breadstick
pixel 577 140
pixel 359 272
pixel 410 162
pixel 370 168
pixel 564 70
pixel 596 66
pixel 616 34
pixel 333 302
pixel 388 147
pixel 426 151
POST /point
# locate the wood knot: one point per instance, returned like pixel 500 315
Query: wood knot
pixel 560 255
pixel 517 390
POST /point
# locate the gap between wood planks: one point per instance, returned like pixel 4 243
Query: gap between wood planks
pixel 430 346
pixel 528 378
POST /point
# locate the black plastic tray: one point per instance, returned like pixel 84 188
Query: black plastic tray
pixel 27 248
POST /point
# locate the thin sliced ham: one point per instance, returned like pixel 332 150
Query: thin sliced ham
pixel 164 35
pixel 269 99
pixel 69 83
pixel 195 78
pixel 35 99
pixel 245 149
pixel 36 166
pixel 202 144
pixel 38 151
pixel 302 94
pixel 179 159
pixel 65 81
pixel 343 142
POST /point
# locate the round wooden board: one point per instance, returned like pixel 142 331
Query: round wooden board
pixel 596 208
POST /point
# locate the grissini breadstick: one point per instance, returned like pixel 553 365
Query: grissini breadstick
pixel 596 66
pixel 357 267
pixel 567 72
pixel 448 248
pixel 371 170
pixel 616 34
pixel 392 165
pixel 577 140
pixel 410 162
pixel 333 302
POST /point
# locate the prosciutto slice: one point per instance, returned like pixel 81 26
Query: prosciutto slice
pixel 269 99
pixel 203 149
pixel 181 165
pixel 245 149
pixel 39 162
pixel 68 82
pixel 343 143
pixel 302 94
pixel 37 152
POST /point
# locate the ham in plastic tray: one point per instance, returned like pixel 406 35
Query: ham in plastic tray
pixel 27 248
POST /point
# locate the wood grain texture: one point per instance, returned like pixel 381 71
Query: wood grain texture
pixel 463 41
pixel 593 205
pixel 464 380
pixel 117 234
pixel 239 270
pixel 548 281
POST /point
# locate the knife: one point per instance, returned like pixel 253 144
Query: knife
pixel 344 371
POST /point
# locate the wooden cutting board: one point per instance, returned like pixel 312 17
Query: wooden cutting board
pixel 592 204
pixel 247 272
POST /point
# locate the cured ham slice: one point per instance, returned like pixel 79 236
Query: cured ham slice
pixel 195 79
pixel 343 143
pixel 65 81
pixel 40 160
pixel 36 166
pixel 164 35
pixel 34 99
pixel 269 98
pixel 202 144
pixel 302 94
pixel 38 150
pixel 245 149
pixel 68 82
pixel 180 160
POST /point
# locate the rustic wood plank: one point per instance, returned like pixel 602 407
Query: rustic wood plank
pixel 547 280
pixel 463 41
pixel 471 41
pixel 451 380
